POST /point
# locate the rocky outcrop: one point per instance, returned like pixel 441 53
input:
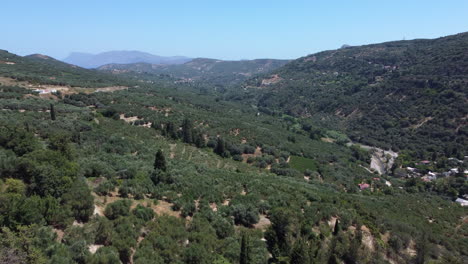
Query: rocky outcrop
pixel 381 160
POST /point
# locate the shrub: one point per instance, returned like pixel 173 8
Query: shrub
pixel 188 209
pixel 118 208
pixel 237 158
pixel 235 150
pixel 105 188
pixel 245 215
pixel 248 149
pixel 79 200
pixel 144 213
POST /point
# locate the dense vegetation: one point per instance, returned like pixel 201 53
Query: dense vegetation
pixel 207 73
pixel 403 95
pixel 40 69
pixel 155 174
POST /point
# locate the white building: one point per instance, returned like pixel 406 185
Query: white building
pixel 462 202
pixel 45 91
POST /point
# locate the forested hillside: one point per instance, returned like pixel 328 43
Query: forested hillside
pixel 157 173
pixel 207 72
pixel 403 95
pixel 42 69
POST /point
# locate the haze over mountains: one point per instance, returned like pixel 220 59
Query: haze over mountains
pixel 87 60
pixel 212 71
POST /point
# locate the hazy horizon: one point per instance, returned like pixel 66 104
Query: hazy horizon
pixel 212 29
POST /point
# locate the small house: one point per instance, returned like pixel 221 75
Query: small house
pixel 42 91
pixel 363 186
pixel 462 202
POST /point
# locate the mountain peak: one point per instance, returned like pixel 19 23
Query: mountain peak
pixel 87 60
pixel 40 56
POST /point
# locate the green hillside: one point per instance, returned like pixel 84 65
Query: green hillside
pixel 205 71
pixel 404 95
pixel 42 69
pixel 159 173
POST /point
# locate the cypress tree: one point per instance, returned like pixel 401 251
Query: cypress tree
pixel 187 131
pixel 199 140
pixel 333 259
pixel 422 250
pixel 351 256
pixel 160 161
pixel 245 250
pixel 52 112
pixel 220 147
pixel 79 199
pixel 300 253
pixel 171 131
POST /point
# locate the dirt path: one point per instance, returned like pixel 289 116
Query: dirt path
pixel 257 153
pixel 263 223
pixel 93 248
pixel 59 233
pixel 98 210
pixel 61 88
pixel 367 238
pixel 129 119
pixel 164 208
pixel 140 238
pixel 425 120
pixel 172 150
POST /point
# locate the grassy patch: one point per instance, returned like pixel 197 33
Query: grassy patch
pixel 301 163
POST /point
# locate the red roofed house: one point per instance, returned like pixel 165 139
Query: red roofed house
pixel 363 186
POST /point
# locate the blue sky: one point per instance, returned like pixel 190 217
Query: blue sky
pixel 224 29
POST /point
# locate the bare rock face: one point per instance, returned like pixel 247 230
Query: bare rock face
pixel 382 160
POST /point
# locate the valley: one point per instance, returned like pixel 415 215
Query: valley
pixel 355 155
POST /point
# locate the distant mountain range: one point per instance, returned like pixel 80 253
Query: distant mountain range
pixel 87 60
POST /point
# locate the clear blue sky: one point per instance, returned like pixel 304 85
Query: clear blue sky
pixel 225 29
